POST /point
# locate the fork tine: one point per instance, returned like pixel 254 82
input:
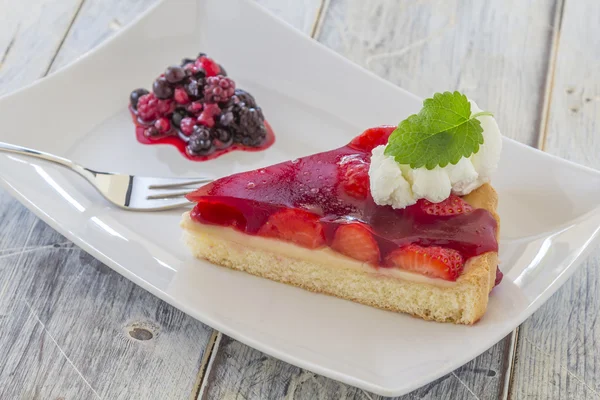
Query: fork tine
pixel 174 184
pixel 168 195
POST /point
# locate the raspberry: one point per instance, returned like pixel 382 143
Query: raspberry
pixel 207 117
pixel 181 96
pixel 147 107
pixel 195 107
pixel 164 107
pixel 210 67
pixel 163 125
pixel 218 89
pixel 187 126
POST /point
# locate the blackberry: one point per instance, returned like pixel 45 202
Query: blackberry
pixel 246 98
pixel 222 138
pixel 199 147
pixel 222 72
pixel 187 61
pixel 195 88
pixel 201 132
pixel 251 123
pixel 218 89
pixel 135 96
pixel 174 74
pixel 162 89
pixel 177 116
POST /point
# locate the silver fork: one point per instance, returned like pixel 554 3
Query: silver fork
pixel 136 193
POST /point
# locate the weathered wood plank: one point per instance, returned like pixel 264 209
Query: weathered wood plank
pixel 240 372
pixel 124 342
pixel 558 346
pixel 496 53
pixel 96 22
pixel 37 368
pixel 31 33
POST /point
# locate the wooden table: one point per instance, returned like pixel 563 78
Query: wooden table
pixel 71 328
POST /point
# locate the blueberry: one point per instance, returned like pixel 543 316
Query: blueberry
pixel 161 89
pixel 174 74
pixel 135 96
pixel 178 115
pixel 222 72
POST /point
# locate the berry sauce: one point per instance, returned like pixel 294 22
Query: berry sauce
pixel 245 201
pixel 181 145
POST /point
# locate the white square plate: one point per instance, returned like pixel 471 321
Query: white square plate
pixel 315 100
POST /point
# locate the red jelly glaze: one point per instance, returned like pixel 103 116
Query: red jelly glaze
pixel 174 140
pixel 246 200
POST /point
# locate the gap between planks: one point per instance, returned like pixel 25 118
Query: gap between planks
pixel 10 45
pixel 550 74
pixel 215 340
pixel 62 40
pixel 541 145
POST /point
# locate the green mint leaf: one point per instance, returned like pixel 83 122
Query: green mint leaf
pixel 441 133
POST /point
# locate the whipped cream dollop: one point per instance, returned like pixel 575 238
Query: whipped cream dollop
pixel 400 186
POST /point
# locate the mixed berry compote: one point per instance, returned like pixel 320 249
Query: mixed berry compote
pixel 197 108
pixel 324 200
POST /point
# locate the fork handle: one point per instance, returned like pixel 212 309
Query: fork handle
pixel 65 162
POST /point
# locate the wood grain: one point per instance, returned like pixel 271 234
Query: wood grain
pixel 558 354
pixel 69 324
pixel 497 53
pixel 31 33
pixel 70 327
pixel 240 372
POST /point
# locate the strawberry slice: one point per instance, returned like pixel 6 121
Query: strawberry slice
pixel 434 261
pixel 372 138
pixel 499 276
pixel 453 205
pixel 297 226
pixel 354 176
pixel 356 241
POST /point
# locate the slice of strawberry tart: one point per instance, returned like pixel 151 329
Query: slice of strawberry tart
pixel 402 218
